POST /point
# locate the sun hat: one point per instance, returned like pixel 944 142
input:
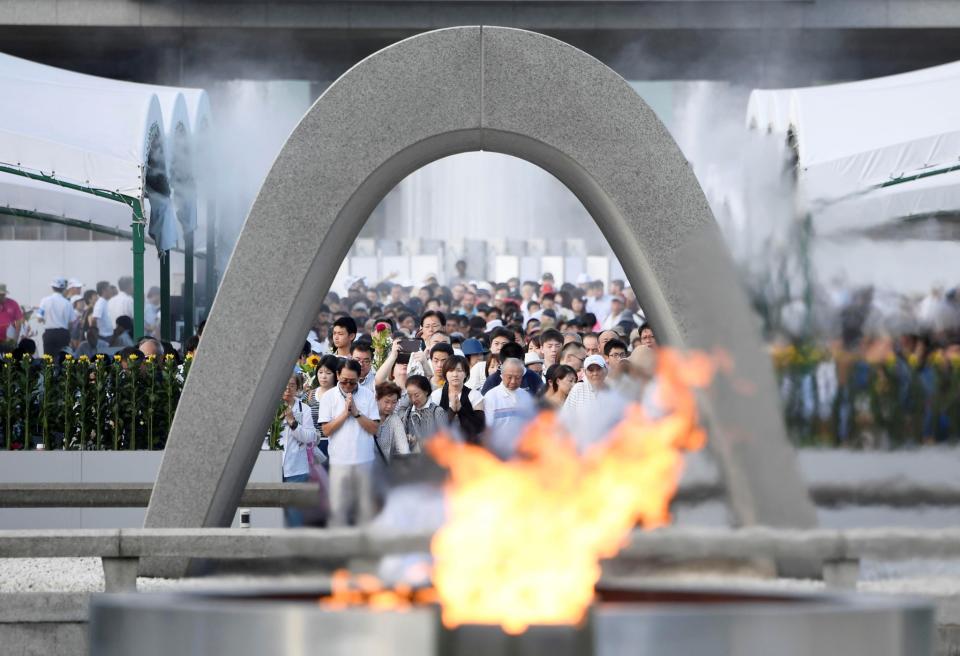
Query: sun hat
pixel 532 358
pixel 594 360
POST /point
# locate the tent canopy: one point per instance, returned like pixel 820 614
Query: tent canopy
pixel 859 144
pixel 96 132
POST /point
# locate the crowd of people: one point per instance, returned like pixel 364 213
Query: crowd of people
pixel 78 321
pixel 474 360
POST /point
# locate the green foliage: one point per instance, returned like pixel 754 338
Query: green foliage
pixel 80 404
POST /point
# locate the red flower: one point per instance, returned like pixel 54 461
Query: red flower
pixel 381 326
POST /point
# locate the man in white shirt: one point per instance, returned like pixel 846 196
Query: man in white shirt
pixel 121 305
pixel 349 417
pixel 57 314
pixel 597 303
pixel 362 352
pixel 581 404
pixel 508 409
pixel 100 313
pixel 618 313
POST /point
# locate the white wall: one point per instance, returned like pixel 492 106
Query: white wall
pixel 107 467
pixel 27 266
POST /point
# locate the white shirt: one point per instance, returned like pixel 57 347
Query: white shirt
pixel 151 315
pixel 476 398
pixel 102 316
pixel 506 413
pixel 317 345
pixel 478 376
pixel 580 404
pixel 350 444
pixel 119 306
pixel 370 383
pixel 613 319
pixel 295 442
pixel 599 307
pixel 57 311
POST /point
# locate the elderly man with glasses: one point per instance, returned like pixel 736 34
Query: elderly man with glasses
pixel 350 419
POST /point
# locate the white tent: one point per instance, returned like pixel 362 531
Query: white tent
pixel 175 124
pixel 872 151
pixel 91 137
pixel 76 147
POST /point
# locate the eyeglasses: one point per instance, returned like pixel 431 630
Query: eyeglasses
pixel 618 356
pixel 351 382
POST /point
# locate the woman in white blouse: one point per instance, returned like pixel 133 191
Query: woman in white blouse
pixel 298 439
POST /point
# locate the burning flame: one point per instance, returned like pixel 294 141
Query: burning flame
pixel 347 590
pixel 524 538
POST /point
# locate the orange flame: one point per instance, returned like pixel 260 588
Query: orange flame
pixel 348 591
pixel 523 541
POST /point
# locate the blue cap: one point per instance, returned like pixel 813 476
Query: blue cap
pixel 472 347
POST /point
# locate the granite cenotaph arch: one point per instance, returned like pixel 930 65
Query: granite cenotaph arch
pixel 424 98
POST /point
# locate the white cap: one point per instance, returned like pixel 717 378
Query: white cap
pixel 583 279
pixel 59 283
pixel 496 323
pixel 532 358
pixel 74 282
pixel 594 360
pixel 76 297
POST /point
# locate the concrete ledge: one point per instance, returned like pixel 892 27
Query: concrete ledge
pixel 52 543
pixel 44 639
pixel 668 543
pixel 137 495
pixel 44 607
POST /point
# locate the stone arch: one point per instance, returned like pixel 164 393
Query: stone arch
pixel 424 98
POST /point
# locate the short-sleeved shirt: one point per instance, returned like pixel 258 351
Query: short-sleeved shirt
pixel 9 313
pixel 57 312
pixel 350 445
pixel 102 317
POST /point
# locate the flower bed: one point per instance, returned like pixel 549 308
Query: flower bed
pixel 838 398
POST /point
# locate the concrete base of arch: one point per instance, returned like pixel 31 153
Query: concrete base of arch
pixel 427 97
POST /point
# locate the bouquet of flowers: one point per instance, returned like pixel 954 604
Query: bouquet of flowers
pixel 381 343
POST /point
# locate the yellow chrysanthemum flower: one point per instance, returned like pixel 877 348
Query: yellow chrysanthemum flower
pixel 84 358
pixel 117 358
pixel 133 356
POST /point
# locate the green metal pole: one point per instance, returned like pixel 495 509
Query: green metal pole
pixel 165 317
pixel 138 228
pixel 189 306
pixel 210 280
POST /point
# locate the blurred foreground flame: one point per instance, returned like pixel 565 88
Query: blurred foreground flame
pixel 524 538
